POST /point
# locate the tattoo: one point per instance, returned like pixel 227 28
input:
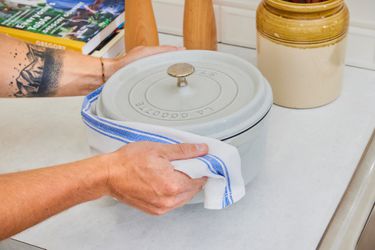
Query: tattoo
pixel 41 74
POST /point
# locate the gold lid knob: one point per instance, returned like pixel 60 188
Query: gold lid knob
pixel 181 71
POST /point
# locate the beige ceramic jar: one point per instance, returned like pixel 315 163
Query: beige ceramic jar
pixel 301 50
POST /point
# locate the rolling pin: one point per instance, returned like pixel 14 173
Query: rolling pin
pixel 199 25
pixel 140 24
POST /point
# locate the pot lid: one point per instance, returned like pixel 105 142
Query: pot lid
pixel 204 92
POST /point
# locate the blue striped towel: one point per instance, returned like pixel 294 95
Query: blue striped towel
pixel 222 165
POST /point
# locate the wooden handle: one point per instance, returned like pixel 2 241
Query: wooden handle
pixel 199 25
pixel 140 24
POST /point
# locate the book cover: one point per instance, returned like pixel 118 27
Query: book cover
pixel 75 24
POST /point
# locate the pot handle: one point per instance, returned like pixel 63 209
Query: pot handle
pixel 181 71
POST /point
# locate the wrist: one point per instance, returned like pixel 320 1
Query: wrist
pixel 95 177
pixel 109 67
pixel 80 75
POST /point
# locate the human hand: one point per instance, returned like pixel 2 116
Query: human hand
pixel 141 175
pixel 143 51
pixel 112 65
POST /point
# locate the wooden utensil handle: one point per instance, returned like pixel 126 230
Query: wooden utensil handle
pixel 199 25
pixel 140 24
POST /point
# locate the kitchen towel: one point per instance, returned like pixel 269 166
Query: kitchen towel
pixel 222 165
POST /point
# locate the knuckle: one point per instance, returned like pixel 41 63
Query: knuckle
pixel 151 147
pixel 165 203
pixel 183 149
pixel 159 211
pixel 159 202
pixel 169 203
pixel 155 202
pixel 171 189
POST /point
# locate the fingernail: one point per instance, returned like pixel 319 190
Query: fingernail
pixel 201 147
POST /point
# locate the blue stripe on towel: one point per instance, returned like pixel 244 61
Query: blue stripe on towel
pixel 105 134
pixel 121 129
pixel 126 135
pixel 225 174
pixel 219 170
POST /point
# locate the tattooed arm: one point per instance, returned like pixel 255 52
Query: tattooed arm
pixel 29 70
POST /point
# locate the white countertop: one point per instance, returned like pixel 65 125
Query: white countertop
pixel 310 158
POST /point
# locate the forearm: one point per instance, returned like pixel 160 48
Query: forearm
pixel 30 70
pixel 30 197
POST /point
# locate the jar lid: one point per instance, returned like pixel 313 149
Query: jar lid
pixel 204 92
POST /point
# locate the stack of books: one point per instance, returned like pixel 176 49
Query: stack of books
pixel 90 26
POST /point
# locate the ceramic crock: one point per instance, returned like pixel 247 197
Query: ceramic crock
pixel 301 50
pixel 204 92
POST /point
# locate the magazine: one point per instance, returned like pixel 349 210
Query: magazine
pixel 76 24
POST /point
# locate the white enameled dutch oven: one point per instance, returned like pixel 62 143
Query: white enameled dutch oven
pixel 207 93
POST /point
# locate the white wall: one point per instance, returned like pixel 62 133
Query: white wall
pixel 236 25
pixel 362 12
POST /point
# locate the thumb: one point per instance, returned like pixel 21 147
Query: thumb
pixel 182 151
